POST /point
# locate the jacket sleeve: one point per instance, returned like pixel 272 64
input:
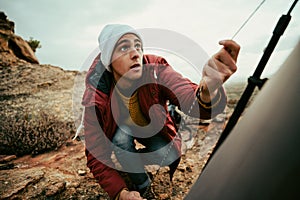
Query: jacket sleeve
pixel 98 153
pixel 181 91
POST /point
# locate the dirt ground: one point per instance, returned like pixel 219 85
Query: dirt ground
pixel 61 172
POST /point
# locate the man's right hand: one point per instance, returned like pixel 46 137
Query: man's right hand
pixel 130 195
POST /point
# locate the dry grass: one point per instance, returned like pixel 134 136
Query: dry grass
pixel 27 133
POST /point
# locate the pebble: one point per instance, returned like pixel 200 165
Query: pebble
pixel 81 172
pixel 7 158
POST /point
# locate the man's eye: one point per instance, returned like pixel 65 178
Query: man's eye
pixel 124 48
pixel 138 46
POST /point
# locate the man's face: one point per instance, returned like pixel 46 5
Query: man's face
pixel 127 58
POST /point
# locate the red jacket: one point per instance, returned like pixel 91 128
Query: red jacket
pixel 99 118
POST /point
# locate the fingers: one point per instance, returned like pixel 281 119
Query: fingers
pixel 231 47
pixel 224 69
pixel 221 65
pixel 133 195
pixel 226 60
pixel 130 195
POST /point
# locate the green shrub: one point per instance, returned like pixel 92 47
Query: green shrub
pixel 34 44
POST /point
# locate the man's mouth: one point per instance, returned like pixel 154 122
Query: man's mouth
pixel 135 66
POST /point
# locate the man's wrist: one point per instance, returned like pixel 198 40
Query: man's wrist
pixel 213 102
pixel 205 95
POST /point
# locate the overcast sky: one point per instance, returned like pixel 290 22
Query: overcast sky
pixel 68 29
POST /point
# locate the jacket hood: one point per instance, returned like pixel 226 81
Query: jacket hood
pixel 97 82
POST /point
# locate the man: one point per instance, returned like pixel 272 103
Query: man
pixel 126 102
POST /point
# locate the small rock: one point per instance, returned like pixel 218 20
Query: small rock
pixel 189 169
pixel 181 168
pixel 8 158
pixel 55 189
pixel 164 196
pixel 73 184
pixel 81 172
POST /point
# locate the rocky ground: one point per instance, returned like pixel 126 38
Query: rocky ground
pixel 59 171
pixel 62 174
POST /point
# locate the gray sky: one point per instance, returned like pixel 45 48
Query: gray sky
pixel 68 29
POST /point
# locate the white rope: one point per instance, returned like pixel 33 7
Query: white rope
pixel 81 126
pixel 242 26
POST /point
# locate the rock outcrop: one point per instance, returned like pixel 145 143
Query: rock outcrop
pixel 13 45
pixel 35 100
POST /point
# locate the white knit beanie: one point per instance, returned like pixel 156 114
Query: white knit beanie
pixel 108 38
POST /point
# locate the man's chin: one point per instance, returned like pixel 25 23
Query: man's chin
pixel 135 77
pixel 134 74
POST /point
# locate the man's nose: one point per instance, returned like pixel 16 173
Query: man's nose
pixel 134 54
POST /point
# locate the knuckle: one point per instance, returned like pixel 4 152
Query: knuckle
pixel 211 62
pixel 234 69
